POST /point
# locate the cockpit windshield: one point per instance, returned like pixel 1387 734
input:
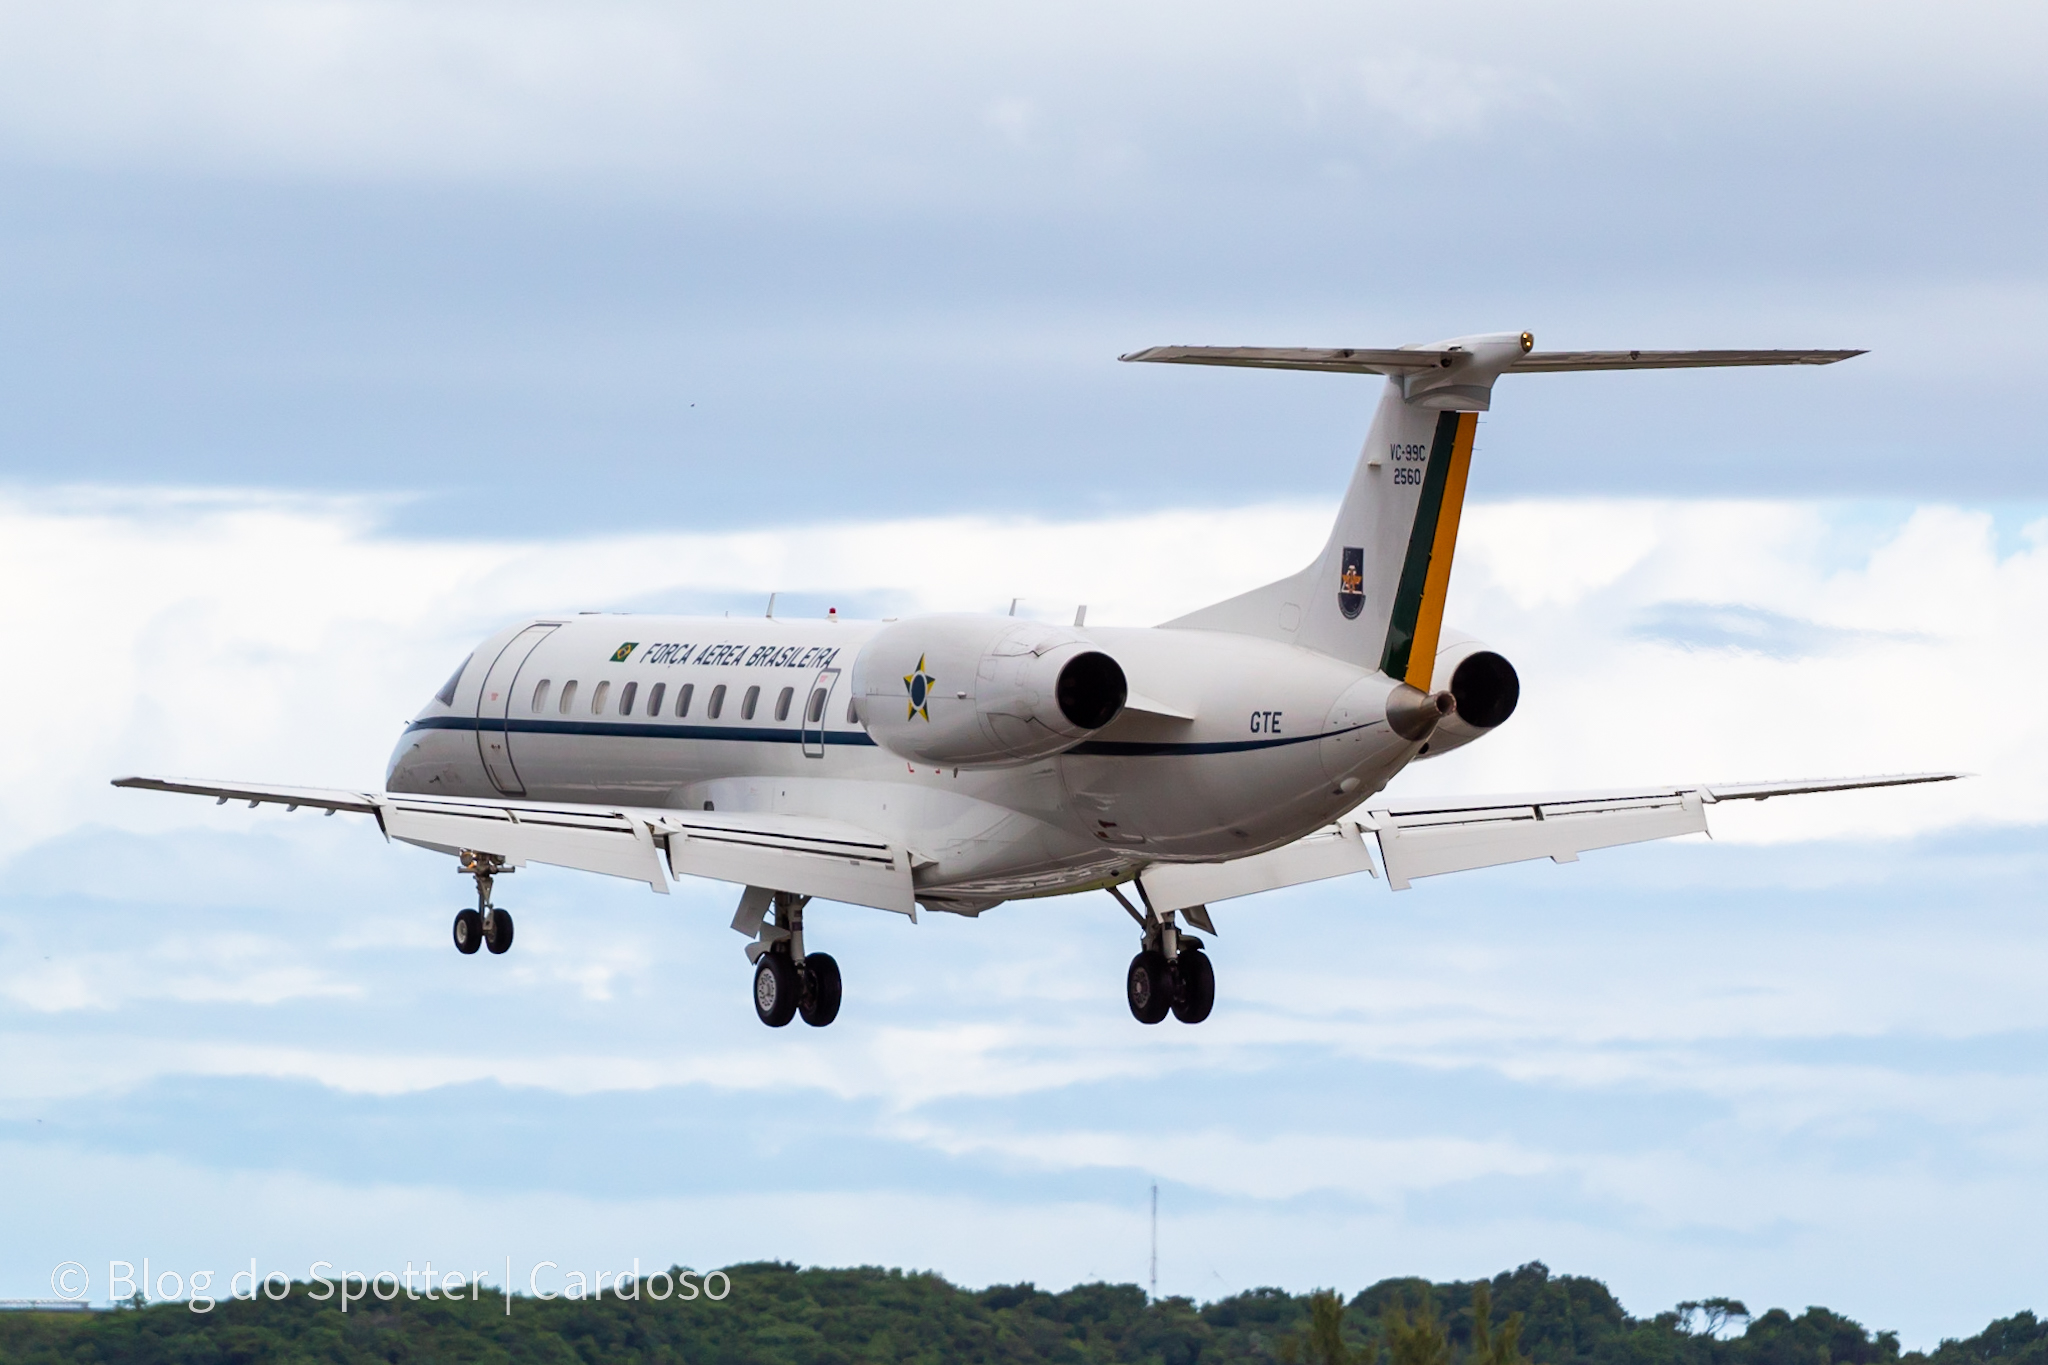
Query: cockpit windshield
pixel 446 696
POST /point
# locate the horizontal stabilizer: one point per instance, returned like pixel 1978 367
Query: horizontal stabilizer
pixel 1410 360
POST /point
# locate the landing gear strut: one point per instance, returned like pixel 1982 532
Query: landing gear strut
pixel 788 982
pixel 487 926
pixel 1171 973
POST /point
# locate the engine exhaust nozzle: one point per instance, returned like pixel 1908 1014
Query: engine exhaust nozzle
pixel 1413 714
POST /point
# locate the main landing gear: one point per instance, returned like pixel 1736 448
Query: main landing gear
pixel 1171 973
pixel 788 982
pixel 487 926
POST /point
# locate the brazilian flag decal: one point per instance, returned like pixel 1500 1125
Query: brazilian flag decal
pixel 625 651
pixel 1418 617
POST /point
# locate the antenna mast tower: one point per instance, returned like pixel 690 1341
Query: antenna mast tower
pixel 1155 1239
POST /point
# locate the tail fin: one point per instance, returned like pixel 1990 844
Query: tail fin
pixel 1375 596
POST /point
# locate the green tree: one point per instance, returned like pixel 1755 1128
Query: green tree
pixel 1417 1338
pixel 1323 1343
pixel 1489 1347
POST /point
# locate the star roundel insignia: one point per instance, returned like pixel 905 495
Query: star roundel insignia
pixel 919 685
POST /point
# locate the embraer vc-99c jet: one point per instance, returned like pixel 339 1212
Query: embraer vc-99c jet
pixel 958 761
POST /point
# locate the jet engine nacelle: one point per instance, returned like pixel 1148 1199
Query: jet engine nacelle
pixel 983 691
pixel 1484 684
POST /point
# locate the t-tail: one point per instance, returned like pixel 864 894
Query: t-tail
pixel 1375 596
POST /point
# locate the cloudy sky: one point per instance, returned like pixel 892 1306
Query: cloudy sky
pixel 333 335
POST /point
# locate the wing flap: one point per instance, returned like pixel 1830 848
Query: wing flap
pixel 1427 837
pixel 808 857
pixel 616 843
pixel 1430 843
pixel 1336 850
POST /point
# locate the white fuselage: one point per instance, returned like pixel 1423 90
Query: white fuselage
pixel 1271 742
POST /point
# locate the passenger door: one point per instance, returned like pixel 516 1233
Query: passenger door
pixel 494 702
pixel 817 710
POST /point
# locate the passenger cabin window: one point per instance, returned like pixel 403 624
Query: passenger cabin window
pixel 815 712
pixel 446 696
pixel 568 697
pixel 654 699
pixel 626 695
pixel 782 701
pixel 717 706
pixel 688 691
pixel 853 710
pixel 599 697
pixel 749 703
pixel 540 696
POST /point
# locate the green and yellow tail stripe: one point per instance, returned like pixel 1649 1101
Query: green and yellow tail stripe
pixel 1418 618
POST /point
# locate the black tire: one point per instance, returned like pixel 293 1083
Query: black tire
pixel 776 990
pixel 500 936
pixel 820 1003
pixel 469 931
pixel 1148 986
pixel 1194 986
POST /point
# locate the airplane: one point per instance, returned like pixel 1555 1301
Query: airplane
pixel 957 761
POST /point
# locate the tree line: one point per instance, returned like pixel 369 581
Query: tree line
pixel 778 1314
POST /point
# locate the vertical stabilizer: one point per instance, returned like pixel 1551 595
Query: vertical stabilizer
pixel 1375 596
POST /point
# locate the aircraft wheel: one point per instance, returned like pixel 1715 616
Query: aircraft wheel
pixel 776 990
pixel 499 938
pixel 469 931
pixel 820 1003
pixel 1194 986
pixel 1148 985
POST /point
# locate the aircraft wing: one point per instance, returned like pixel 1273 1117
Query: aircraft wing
pixel 810 857
pixel 1428 836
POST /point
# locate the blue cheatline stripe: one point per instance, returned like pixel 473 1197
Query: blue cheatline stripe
pixel 757 734
pixel 1138 748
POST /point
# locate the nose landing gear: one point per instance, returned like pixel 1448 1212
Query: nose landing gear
pixel 1171 973
pixel 487 926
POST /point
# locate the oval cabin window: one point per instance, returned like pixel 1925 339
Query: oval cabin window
pixel 568 697
pixel 815 712
pixel 782 701
pixel 716 707
pixel 540 696
pixel 600 696
pixel 750 703
pixel 626 695
pixel 688 691
pixel 654 699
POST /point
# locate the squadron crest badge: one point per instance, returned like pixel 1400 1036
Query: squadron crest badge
pixel 919 685
pixel 1351 583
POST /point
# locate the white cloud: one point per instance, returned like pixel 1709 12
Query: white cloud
pixel 151 939
pixel 288 639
